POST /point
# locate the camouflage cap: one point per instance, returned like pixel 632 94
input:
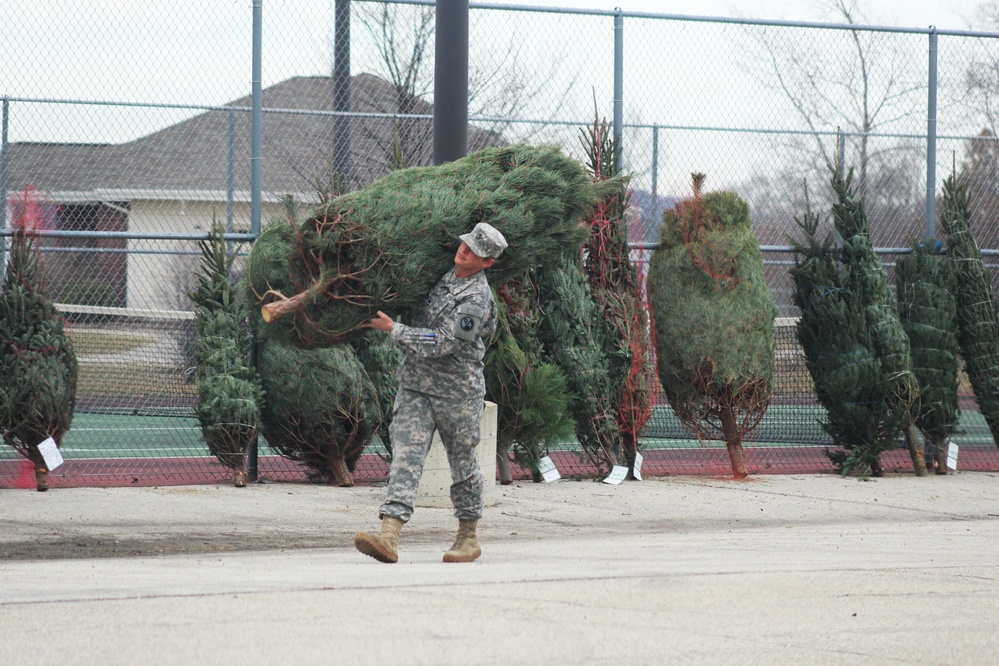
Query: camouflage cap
pixel 485 241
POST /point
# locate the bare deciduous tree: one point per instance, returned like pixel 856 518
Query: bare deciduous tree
pixel 974 101
pixel 403 40
pixel 500 85
pixel 859 87
pixel 856 82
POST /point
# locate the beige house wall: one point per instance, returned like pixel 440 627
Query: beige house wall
pixel 158 277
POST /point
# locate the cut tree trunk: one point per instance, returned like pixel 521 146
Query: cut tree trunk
pixel 733 441
pixel 915 449
pixel 341 473
pixel 290 305
pixel 503 463
pixel 278 309
pixel 41 477
pixel 876 468
pixel 630 445
pixel 735 454
pixel 940 455
pixel 239 474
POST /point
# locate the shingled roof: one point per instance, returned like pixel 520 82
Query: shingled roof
pixel 189 160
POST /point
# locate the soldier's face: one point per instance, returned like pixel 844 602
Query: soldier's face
pixel 468 262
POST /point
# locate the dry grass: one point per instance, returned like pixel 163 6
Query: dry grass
pixel 93 343
pixel 120 380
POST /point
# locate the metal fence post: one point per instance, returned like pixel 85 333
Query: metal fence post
pixel 4 157
pixel 230 175
pixel 257 121
pixel 341 93
pixel 619 83
pixel 256 173
pixel 655 167
pixel 931 141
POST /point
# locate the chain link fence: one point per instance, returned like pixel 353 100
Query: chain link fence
pixel 128 132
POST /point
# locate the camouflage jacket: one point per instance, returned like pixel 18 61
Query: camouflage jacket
pixel 445 343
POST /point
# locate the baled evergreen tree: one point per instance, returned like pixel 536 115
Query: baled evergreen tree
pixel 380 357
pixel 977 316
pixel 926 306
pixel 833 332
pixel 229 390
pixel 38 369
pixel 869 286
pixel 383 248
pixel 320 408
pixel 376 351
pixel 531 396
pixel 617 290
pixel 714 319
pixel 573 339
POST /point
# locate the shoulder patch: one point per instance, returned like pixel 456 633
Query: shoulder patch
pixel 468 321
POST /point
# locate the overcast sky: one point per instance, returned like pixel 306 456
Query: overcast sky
pixel 695 81
pixel 196 52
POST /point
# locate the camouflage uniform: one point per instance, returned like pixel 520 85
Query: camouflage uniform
pixel 441 387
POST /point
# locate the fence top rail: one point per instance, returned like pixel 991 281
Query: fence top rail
pixel 788 249
pixel 499 119
pixel 212 107
pixel 692 18
pixel 124 312
pixel 130 235
pixel 243 238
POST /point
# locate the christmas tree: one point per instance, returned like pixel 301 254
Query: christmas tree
pixel 229 390
pixel 383 248
pixel 869 286
pixel 321 406
pixel 977 316
pixel 38 368
pixel 573 339
pixel 714 319
pixel 380 357
pixel 617 290
pixel 833 332
pixel 928 312
pixel 531 396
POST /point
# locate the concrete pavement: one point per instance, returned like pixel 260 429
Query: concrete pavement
pixel 776 569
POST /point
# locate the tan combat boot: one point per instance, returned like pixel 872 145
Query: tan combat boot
pixel 466 545
pixel 383 546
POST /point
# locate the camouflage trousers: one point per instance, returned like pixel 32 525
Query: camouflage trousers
pixel 415 418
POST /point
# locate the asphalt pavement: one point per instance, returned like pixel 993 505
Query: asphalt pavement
pixel 815 569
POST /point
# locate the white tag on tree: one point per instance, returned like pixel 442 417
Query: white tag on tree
pixel 617 475
pixel 637 469
pixel 548 470
pixel 952 450
pixel 50 452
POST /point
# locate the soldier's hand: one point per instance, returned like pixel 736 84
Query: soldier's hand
pixel 380 321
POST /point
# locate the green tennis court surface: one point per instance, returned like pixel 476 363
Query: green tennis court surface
pixel 131 436
pixel 97 436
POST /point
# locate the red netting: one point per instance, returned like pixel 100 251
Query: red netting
pixel 713 259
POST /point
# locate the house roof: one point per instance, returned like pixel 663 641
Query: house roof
pixel 189 160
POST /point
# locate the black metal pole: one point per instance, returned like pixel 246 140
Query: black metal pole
pixel 341 93
pixel 451 81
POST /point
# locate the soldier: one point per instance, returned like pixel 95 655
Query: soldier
pixel 441 387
